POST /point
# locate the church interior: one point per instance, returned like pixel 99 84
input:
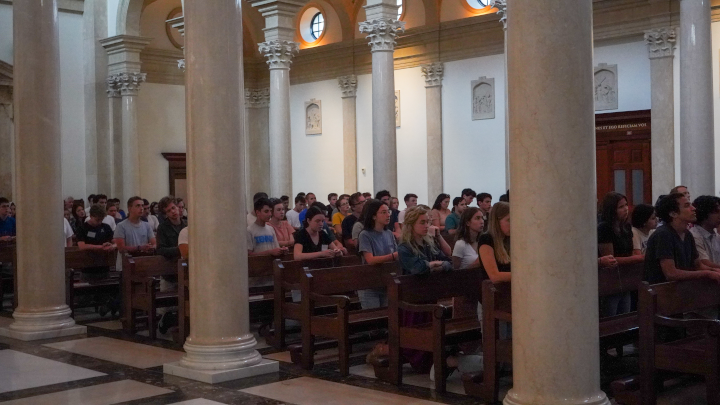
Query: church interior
pixel 296 202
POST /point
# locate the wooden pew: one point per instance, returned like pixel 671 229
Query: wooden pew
pixel 76 260
pixel 613 331
pixel 141 278
pixel 287 276
pixel 420 294
pixel 261 297
pixel 8 282
pixel 661 306
pixel 328 286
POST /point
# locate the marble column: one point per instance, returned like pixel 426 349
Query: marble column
pixel 501 5
pixel 433 73
pixel 697 145
pixel 220 346
pixel 552 153
pixel 661 43
pixel 279 48
pixel 41 312
pixel 382 28
pixel 124 69
pixel 6 138
pixel 111 145
pixel 257 153
pixel 348 87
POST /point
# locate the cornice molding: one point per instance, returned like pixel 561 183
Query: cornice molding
pixel 6 74
pixel 161 66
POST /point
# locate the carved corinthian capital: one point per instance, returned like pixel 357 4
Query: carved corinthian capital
pixel 127 84
pixel 501 5
pixel 433 73
pixel 348 85
pixel 382 33
pixel 257 98
pixel 660 42
pixel 113 90
pixel 279 53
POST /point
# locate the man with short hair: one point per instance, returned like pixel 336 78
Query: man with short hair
pixel 707 210
pixel 671 252
pixel 310 199
pixel 68 203
pixel 102 200
pixel 148 217
pixel 95 234
pixel 357 202
pixel 293 216
pixel 112 212
pixel 384 196
pixel 168 231
pixel 8 227
pixel 250 218
pixel 468 195
pixel 484 202
pixel 682 190
pixel 109 219
pixel 261 238
pixel 332 199
pixel 90 201
pixel 285 202
pixel 134 235
pixel 410 201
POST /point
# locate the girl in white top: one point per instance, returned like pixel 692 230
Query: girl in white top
pixel 465 252
pixel 644 223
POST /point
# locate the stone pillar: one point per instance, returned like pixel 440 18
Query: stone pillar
pixel 124 68
pixel 220 346
pixel 661 43
pixel 552 152
pixel 279 49
pixel 433 73
pixel 501 5
pixel 41 312
pixel 382 28
pixel 348 87
pixel 111 145
pixel 6 137
pixel 258 147
pixel 697 150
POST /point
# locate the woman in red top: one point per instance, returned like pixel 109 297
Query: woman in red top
pixel 283 230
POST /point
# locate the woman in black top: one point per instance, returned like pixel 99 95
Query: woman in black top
pixel 312 242
pixel 78 212
pixel 494 246
pixel 615 239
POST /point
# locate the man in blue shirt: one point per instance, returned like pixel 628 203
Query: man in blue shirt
pixel 7 223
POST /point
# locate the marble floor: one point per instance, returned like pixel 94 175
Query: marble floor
pixel 107 366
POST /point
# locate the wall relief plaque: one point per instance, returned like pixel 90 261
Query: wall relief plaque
pixel 606 87
pixel 483 98
pixel 313 117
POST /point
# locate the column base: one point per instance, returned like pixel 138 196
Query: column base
pixel 42 324
pixel 598 398
pixel 218 376
pixel 45 334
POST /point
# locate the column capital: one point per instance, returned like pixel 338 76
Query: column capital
pixel 433 73
pixel 279 17
pixel 124 52
pixel 501 5
pixel 279 53
pixel 660 42
pixel 348 85
pixel 382 33
pixel 257 98
pixel 126 84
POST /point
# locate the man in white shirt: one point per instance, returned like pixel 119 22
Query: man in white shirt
pixel 410 201
pixel 293 215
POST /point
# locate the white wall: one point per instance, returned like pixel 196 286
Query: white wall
pixel 633 74
pixel 72 113
pixel 715 27
pixel 161 123
pixel 112 9
pixel 473 151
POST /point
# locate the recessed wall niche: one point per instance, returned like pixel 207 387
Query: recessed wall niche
pixel 482 92
pixel 606 87
pixel 313 117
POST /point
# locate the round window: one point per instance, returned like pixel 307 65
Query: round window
pixel 478 4
pixel 317 25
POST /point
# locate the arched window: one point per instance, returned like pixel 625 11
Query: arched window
pixel 317 25
pixel 400 8
pixel 478 4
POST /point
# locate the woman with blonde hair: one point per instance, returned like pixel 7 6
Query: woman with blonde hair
pixel 420 252
pixel 494 246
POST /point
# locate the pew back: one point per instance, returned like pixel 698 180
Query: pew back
pixel 148 266
pixel 81 259
pixel 334 280
pixel 262 265
pixel 619 279
pixel 435 286
pixel 679 297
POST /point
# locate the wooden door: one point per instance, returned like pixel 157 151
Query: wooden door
pixel 623 156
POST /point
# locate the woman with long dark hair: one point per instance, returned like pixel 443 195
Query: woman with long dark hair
pixel 376 245
pixel 312 241
pixel 494 247
pixel 465 252
pixel 615 238
pixel 78 212
pixel 440 211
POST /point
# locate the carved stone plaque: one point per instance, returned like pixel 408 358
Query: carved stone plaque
pixel 483 98
pixel 397 108
pixel 313 117
pixel 606 87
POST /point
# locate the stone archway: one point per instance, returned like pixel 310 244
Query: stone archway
pixel 128 16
